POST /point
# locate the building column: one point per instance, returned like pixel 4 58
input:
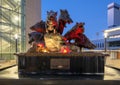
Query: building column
pixel 33 15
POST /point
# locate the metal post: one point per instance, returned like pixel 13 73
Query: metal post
pixel 105 45
pixel 16 45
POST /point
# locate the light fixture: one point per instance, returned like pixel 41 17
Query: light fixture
pixel 16 36
pixel 105 43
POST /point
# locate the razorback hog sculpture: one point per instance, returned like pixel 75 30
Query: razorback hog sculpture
pixel 76 34
pixel 53 26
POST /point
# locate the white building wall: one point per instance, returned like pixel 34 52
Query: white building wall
pixel 114 33
pixel 117 16
pixel 33 15
pixel 110 17
pixel 113 15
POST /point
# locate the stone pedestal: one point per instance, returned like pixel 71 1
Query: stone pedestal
pixel 84 63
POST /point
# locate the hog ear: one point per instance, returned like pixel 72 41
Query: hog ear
pixel 83 23
pixel 61 10
pixel 55 13
pixel 65 10
pixel 41 21
pixel 77 23
pixel 47 12
pixel 29 34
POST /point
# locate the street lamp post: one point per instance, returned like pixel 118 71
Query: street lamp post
pixel 105 45
pixel 16 43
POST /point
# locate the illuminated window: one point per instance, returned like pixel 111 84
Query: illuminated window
pixel 10 24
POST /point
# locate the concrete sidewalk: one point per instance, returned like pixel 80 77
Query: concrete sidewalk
pixel 114 63
pixel 7 64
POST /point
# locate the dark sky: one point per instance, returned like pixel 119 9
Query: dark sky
pixel 92 12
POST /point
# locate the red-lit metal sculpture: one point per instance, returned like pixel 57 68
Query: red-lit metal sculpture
pixel 76 34
pixel 53 27
pixel 52 53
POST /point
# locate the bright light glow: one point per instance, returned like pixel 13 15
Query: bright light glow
pixel 111 30
pixel 16 18
pixel 18 1
pixel 114 36
pixel 45 50
pixel 105 34
pixel 16 36
pixel 60 66
pixel 41 45
pixel 5 28
pixel 6 6
pixel 65 50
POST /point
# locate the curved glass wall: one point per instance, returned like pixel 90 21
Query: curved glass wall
pixel 11 23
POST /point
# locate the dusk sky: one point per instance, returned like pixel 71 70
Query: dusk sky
pixel 92 12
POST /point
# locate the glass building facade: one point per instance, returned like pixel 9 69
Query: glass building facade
pixel 12 23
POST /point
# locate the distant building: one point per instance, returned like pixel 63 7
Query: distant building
pixel 113 15
pixel 99 43
pixel 113 38
pixel 113 30
pixel 16 17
